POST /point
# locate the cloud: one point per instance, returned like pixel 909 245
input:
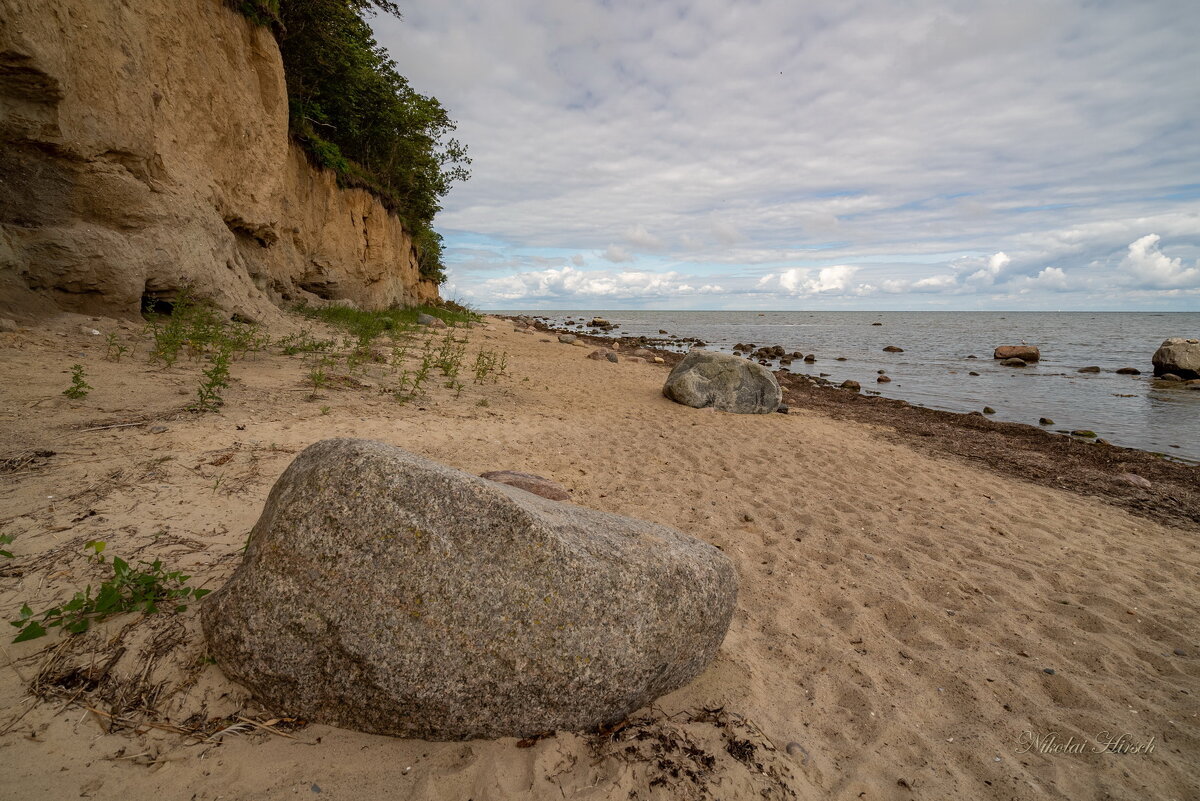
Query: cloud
pixel 798 281
pixel 1152 269
pixel 616 254
pixel 567 282
pixel 916 142
pixel 639 237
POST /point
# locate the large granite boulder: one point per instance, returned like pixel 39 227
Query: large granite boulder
pixel 725 382
pixel 384 592
pixel 1179 356
pixel 1027 353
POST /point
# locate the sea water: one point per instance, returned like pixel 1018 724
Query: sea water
pixel 933 370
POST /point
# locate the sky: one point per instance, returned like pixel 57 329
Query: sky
pixel 861 154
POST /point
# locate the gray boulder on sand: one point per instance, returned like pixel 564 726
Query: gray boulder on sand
pixel 1027 353
pixel 1179 356
pixel 724 382
pixel 384 592
pixel 430 320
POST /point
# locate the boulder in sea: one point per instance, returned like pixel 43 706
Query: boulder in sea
pixel 386 593
pixel 851 384
pixel 810 358
pixel 876 323
pixel 1169 377
pixel 1129 371
pixel 1045 421
pixel 883 379
pixel 988 410
pixel 566 339
pixel 1013 362
pixel 530 483
pixel 1027 353
pixel 724 382
pixel 1092 369
pixel 893 349
pixel 973 373
pixel 1179 356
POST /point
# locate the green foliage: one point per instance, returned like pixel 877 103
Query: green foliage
pixel 489 362
pixel 114 349
pixel 131 589
pixel 6 539
pixel 215 378
pixel 358 322
pixel 79 388
pixel 356 115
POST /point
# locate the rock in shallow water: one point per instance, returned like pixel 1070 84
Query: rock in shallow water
pixel 387 593
pixel 1027 353
pixel 727 383
pixel 1179 356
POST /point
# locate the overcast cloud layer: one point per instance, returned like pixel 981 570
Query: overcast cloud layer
pixel 870 155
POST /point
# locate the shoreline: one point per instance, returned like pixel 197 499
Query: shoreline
pixel 1017 449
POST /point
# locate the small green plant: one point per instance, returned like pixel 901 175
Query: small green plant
pixel 131 589
pixel 325 410
pixel 6 539
pixel 115 350
pixel 97 548
pixel 483 402
pixel 214 379
pixel 79 388
pixel 318 377
pixel 303 342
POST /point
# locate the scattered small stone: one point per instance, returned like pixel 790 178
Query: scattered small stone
pixel 566 339
pixel 988 410
pixel 972 356
pixel 747 518
pixel 1092 369
pixel 157 429
pixel 1048 671
pixel 612 357
pixel 316 788
pixel 7 326
pixel 1129 371
pixel 881 372
pixel 893 349
pixel 840 359
pixel 783 408
pixel 1180 652
pixel 876 323
pixel 659 360
pixel 661 331
pixel 794 748
pixel 1135 480
pixel 1046 421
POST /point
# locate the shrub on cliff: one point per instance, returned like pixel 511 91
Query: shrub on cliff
pixel 356 115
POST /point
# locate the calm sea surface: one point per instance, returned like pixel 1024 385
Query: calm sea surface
pixel 1134 411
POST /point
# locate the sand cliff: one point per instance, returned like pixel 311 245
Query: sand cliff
pixel 146 145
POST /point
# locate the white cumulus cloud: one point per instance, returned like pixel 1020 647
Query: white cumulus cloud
pixel 1153 269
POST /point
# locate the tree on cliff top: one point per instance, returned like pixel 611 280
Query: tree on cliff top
pixel 356 115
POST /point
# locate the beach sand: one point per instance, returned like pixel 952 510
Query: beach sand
pixel 907 618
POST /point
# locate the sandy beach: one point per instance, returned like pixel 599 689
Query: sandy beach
pixel 912 623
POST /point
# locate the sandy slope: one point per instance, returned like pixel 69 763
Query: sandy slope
pixel 898 610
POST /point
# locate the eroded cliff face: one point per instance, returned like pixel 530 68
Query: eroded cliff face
pixel 144 144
